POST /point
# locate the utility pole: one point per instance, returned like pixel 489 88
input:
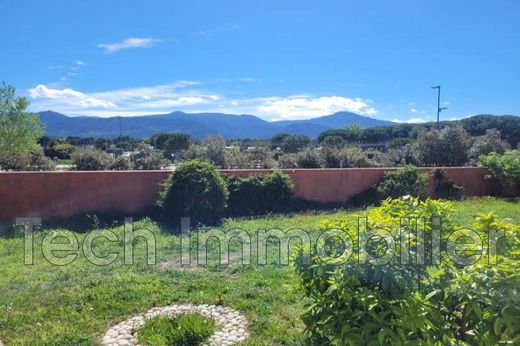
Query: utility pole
pixel 439 108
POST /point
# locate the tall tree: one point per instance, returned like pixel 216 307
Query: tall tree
pixel 19 129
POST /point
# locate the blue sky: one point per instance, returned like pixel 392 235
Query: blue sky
pixel 276 59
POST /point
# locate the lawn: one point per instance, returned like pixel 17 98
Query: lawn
pixel 45 304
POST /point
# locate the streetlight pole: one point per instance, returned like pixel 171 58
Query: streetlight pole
pixel 439 108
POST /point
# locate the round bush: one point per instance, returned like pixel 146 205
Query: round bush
pixel 184 330
pixel 260 194
pixel 121 163
pixel 196 190
pixel 91 160
pixel 403 181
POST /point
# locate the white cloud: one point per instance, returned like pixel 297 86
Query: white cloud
pixel 132 42
pixel 180 101
pixel 302 106
pixel 416 121
pixel 249 79
pixel 80 63
pixel 409 121
pixel 68 97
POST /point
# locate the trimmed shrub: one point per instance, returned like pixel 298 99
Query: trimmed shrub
pixel 402 182
pixel 195 190
pixel 91 160
pixel 260 194
pixel 183 330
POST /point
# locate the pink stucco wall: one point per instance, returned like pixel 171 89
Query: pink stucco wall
pixel 43 194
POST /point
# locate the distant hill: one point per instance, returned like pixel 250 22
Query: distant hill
pixel 198 125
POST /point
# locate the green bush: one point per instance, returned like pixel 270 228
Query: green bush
pixel 402 182
pixel 91 160
pixel 506 166
pixel 444 188
pixel 309 159
pixel 355 303
pixel 184 330
pixel 260 194
pixel 25 161
pixel 196 190
pixel 147 158
pixel 288 161
pixel 61 150
pixel 122 163
pixel 505 169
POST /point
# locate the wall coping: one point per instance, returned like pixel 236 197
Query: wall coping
pixel 243 170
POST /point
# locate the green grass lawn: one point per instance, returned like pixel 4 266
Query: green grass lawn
pixel 44 304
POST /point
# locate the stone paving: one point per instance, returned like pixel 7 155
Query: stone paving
pixel 231 326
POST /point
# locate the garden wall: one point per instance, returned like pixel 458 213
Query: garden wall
pixel 63 194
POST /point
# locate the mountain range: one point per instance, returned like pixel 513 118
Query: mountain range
pixel 198 125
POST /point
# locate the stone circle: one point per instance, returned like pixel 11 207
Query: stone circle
pixel 230 325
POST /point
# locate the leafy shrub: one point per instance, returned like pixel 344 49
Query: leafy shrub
pixel 331 157
pixel 401 182
pixel 506 166
pixel 366 198
pixel 309 159
pixel 212 149
pixel 405 181
pixel 288 161
pixel 25 161
pixel 256 158
pixel 260 194
pixel 295 143
pixel 505 169
pixel 91 160
pixel 184 330
pixel 444 188
pixel 147 158
pixel 196 190
pixel 122 163
pixel 61 150
pixel 333 142
pixel 490 142
pixel 354 303
pixel 215 150
pixel 447 147
pixel 170 142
